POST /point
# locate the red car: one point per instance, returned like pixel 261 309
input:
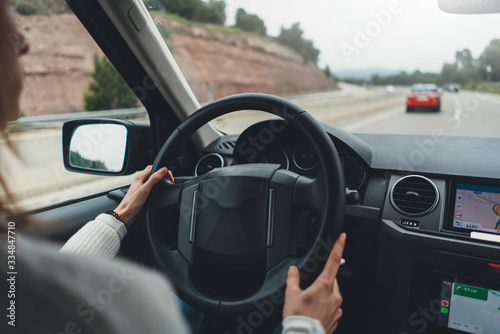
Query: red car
pixel 423 96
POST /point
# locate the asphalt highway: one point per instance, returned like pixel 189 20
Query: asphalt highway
pixel 462 114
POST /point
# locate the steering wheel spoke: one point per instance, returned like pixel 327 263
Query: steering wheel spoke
pixel 165 194
pixel 309 193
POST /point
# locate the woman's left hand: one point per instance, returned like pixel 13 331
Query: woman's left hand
pixel 138 193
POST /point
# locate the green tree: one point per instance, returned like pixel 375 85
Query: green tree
pixel 377 80
pixel 292 38
pixel 490 61
pixel 449 73
pixel 309 52
pixel 250 22
pixel 214 11
pixel 464 59
pixel 403 78
pixel 108 90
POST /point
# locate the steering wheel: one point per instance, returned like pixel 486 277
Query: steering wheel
pixel 224 238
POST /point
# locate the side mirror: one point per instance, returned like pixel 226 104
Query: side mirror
pixel 469 6
pixel 106 146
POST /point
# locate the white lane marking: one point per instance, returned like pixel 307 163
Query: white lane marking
pixel 374 119
pixel 457 114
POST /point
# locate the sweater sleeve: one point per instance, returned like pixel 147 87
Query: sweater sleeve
pixel 302 325
pixel 100 237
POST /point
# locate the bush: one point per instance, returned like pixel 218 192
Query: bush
pixel 40 7
pixel 164 32
pixel 214 11
pixel 327 71
pixel 184 8
pixel 76 159
pixel 250 22
pixel 293 39
pixel 484 87
pixel 108 90
pixel 26 8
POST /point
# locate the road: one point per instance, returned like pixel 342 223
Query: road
pixel 462 114
pixel 351 101
pixel 44 180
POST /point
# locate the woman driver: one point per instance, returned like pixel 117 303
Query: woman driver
pixel 59 292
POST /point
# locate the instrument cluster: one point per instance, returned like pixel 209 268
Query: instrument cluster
pixel 273 142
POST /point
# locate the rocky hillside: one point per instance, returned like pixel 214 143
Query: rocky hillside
pixel 216 61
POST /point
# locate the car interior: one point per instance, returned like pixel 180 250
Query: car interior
pixel 243 208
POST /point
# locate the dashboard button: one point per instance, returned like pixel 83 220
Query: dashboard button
pixel 410 223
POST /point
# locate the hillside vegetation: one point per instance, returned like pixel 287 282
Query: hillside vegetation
pixel 40 7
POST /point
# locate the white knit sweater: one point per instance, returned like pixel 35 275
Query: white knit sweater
pixel 100 237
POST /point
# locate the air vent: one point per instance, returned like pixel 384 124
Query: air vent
pixel 227 145
pixel 207 163
pixel 414 195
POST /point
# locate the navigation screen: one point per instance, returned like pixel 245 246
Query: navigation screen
pixel 469 308
pixel 477 208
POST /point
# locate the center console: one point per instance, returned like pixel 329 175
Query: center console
pixel 462 293
pixel 440 256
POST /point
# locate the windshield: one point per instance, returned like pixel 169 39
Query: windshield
pixel 351 64
pixel 424 88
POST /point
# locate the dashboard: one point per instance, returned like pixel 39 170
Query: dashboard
pixel 424 240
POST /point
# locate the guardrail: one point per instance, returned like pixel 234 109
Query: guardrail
pixel 317 99
pixel 56 121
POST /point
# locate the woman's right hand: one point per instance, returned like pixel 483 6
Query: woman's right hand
pixel 321 300
pixel 138 192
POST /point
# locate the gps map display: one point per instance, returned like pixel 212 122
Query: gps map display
pixel 469 308
pixel 477 208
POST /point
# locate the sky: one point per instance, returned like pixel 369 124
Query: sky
pixel 394 34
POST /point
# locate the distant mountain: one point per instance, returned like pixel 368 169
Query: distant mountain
pixel 364 73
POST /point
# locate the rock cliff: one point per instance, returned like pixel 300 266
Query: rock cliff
pixel 216 61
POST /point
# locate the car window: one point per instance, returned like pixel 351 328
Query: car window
pixel 60 75
pixel 424 88
pixel 417 88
